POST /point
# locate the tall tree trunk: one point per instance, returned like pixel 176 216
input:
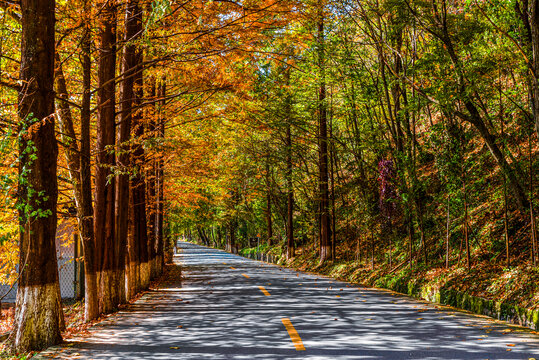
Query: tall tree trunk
pixel 104 181
pixel 78 163
pixel 138 183
pixel 290 243
pixel 410 226
pixel 466 235
pixel 447 235
pixel 37 314
pixel 532 212
pixel 130 66
pixel 323 192
pixel 532 36
pixel 151 182
pixel 332 189
pixel 290 252
pixel 91 306
pixel 231 243
pixel 159 223
pixel 505 205
pixel 269 226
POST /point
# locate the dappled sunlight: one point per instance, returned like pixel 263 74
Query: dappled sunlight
pixel 215 312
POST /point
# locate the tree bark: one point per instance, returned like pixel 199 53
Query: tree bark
pixel 323 192
pixel 104 217
pixel 231 243
pixel 78 163
pixel 37 314
pixel 290 195
pixel 531 23
pixel 332 190
pixel 91 307
pixel 159 223
pixel 130 66
pixel 138 182
pixel 151 188
pixel 269 226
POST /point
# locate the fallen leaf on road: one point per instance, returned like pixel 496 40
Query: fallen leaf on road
pixel 511 345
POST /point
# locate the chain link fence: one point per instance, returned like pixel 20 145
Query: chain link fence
pixel 68 254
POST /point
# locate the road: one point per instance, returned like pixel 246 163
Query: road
pixel 228 307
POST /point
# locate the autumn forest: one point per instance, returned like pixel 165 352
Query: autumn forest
pixel 380 141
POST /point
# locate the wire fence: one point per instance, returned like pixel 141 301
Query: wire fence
pixel 69 271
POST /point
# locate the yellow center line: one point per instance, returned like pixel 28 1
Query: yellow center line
pixel 294 336
pixel 264 291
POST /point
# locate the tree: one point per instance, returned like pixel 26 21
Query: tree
pixel 130 71
pixel 323 181
pixel 38 311
pixel 104 217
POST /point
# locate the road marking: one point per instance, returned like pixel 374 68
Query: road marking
pixel 294 336
pixel 264 291
pixel 247 276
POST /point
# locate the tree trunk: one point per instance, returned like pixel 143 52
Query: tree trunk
pixel 532 213
pixel 332 190
pixel 130 66
pixel 231 243
pixel 505 205
pixel 138 183
pixel 104 218
pixel 269 226
pixel 37 314
pixel 91 306
pixel 132 257
pixel 447 235
pixel 410 242
pixel 290 245
pixel 323 192
pixel 151 188
pixel 78 162
pixel 532 25
pixel 466 237
pixel 159 223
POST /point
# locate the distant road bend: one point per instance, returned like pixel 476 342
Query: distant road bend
pixel 228 307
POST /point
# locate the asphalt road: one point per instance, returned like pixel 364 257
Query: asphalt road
pixel 228 307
